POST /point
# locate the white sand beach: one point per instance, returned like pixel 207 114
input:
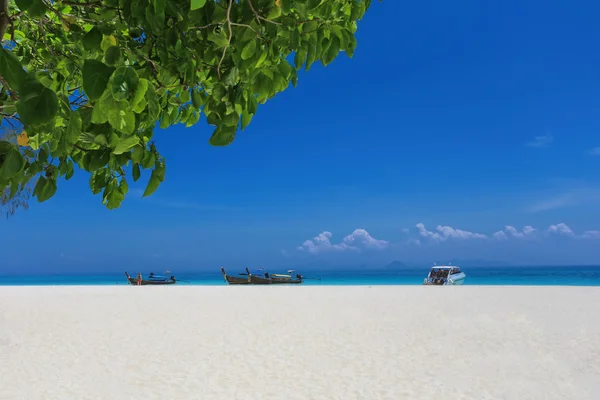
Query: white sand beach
pixel 299 343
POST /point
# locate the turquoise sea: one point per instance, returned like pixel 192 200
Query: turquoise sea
pixel 539 275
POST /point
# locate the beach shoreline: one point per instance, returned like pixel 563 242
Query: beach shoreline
pixel 290 342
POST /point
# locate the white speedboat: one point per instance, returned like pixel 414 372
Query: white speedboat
pixel 445 275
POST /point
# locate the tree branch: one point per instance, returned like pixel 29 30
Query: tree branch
pixel 228 40
pixel 4 18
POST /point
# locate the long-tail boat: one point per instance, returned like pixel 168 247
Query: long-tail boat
pixel 259 277
pixel 152 280
pixel 242 279
pixel 286 278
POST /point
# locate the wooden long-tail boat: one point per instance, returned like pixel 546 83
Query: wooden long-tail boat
pixel 286 278
pixel 243 279
pixel 155 280
pixel 257 279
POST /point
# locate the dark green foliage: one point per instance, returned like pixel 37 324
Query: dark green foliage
pixel 87 81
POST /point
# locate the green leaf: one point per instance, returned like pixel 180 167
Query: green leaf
pixel 37 104
pixel 312 4
pixel 101 139
pixel 97 159
pixel 13 163
pixel 112 55
pixel 185 97
pixel 123 186
pixel 98 180
pixel 232 77
pixel 24 4
pixel 113 196
pixel 153 183
pixel 70 170
pixel 108 41
pixel 196 4
pixel 124 83
pixel 311 56
pixel 223 135
pixel 299 58
pixel 44 189
pixel 286 6
pixel 218 38
pixel 246 118
pixel 159 6
pixel 126 144
pixel 252 104
pixel 37 9
pixel 137 155
pixel 74 128
pixel 11 70
pixel 153 104
pixel 332 51
pixel 92 40
pixel 160 169
pixel 249 50
pixel 140 94
pixel 135 171
pixel 122 120
pixel 198 98
pixel 95 78
pixel 148 160
pixel 310 26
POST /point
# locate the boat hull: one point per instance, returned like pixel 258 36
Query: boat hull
pixel 453 280
pixel 234 280
pixel 457 279
pixel 259 280
pixel 286 281
pixel 145 282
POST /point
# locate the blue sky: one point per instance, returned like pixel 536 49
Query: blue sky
pixel 469 116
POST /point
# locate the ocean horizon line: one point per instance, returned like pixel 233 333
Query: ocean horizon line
pixel 538 275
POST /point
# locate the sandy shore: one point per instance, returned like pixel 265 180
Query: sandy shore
pixel 289 343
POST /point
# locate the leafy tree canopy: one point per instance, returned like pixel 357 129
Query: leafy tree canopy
pixel 83 83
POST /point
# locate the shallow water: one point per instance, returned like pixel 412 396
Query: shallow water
pixel 537 276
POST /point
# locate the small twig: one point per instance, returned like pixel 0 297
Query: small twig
pixel 78 98
pixel 246 26
pixel 228 40
pixel 259 17
pixel 205 26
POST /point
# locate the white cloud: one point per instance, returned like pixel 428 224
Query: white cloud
pixel 362 237
pixel 541 141
pixel 500 235
pixel 359 239
pixel 511 231
pixel 561 229
pixel 444 233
